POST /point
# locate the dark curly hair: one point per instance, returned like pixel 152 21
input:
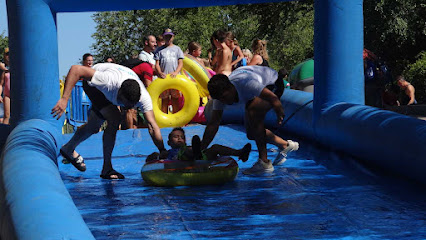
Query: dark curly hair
pixel 176 129
pixel 218 84
pixel 131 90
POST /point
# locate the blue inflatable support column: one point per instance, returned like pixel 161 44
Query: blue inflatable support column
pixel 338 53
pixel 34 203
pixel 34 60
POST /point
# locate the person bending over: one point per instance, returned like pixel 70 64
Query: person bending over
pixel 259 89
pixel 109 85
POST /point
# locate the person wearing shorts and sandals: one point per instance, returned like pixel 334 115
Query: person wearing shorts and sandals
pixel 259 89
pixel 108 85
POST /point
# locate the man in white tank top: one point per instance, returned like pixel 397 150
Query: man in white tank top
pixel 108 85
pixel 258 89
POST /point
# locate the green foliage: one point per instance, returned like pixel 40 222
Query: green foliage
pixel 4 43
pixel 288 27
pixel 416 74
pixel 395 30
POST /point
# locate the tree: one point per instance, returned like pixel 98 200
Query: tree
pixel 287 26
pixel 4 43
pixel 395 30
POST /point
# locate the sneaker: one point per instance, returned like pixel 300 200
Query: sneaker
pixel 282 156
pixel 260 167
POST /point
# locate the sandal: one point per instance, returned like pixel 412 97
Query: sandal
pixel 76 162
pixel 110 173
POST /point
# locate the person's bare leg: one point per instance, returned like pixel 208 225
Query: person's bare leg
pixel 175 104
pixel 275 140
pixel 112 115
pixel 255 127
pixel 6 104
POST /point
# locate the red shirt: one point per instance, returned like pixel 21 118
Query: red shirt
pixel 144 71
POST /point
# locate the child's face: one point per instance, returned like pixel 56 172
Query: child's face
pixel 177 139
pixel 196 53
pixel 229 43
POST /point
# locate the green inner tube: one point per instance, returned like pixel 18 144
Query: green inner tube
pixel 197 175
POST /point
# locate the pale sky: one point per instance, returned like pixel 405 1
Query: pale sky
pixel 74 36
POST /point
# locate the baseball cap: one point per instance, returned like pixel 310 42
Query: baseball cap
pixel 168 31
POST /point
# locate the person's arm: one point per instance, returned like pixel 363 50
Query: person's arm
pixel 240 56
pixel 269 96
pixel 178 69
pixel 211 128
pixel 160 74
pixel 257 59
pixel 1 85
pixel 154 132
pixel 75 73
pixel 411 92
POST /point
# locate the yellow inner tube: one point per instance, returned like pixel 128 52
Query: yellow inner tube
pixel 189 92
pixel 199 73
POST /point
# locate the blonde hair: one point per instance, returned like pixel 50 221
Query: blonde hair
pixel 247 53
pixel 259 47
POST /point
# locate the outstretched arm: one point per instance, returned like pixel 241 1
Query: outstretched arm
pixel 269 96
pixel 154 131
pixel 75 73
pixel 211 128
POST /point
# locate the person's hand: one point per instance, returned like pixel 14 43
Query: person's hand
pixel 280 115
pixel 163 154
pixel 59 108
pixel 173 74
pixel 162 75
pixel 1 99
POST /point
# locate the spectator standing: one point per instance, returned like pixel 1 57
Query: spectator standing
pixel 260 53
pixel 147 54
pixel 237 54
pixel 222 58
pixel 169 60
pixel 407 96
pixel 5 86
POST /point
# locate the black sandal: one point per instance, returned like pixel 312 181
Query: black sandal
pixel 76 162
pixel 111 173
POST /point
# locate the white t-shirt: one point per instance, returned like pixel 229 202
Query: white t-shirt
pixel 147 57
pixel 108 79
pixel 249 81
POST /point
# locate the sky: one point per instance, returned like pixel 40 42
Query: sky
pixel 74 36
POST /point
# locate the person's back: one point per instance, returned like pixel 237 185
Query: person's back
pixel 223 56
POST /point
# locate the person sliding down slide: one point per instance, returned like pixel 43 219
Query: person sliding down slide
pixel 259 89
pixel 109 85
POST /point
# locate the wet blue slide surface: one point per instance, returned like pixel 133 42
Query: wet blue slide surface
pixel 316 194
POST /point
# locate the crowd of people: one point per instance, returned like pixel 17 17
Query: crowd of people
pixel 242 77
pixel 114 88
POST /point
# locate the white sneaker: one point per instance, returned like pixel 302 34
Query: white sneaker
pixel 260 167
pixel 281 157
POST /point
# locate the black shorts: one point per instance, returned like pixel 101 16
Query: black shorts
pixel 277 89
pixel 97 98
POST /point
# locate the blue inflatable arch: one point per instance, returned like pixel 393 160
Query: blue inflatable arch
pixel 337 118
